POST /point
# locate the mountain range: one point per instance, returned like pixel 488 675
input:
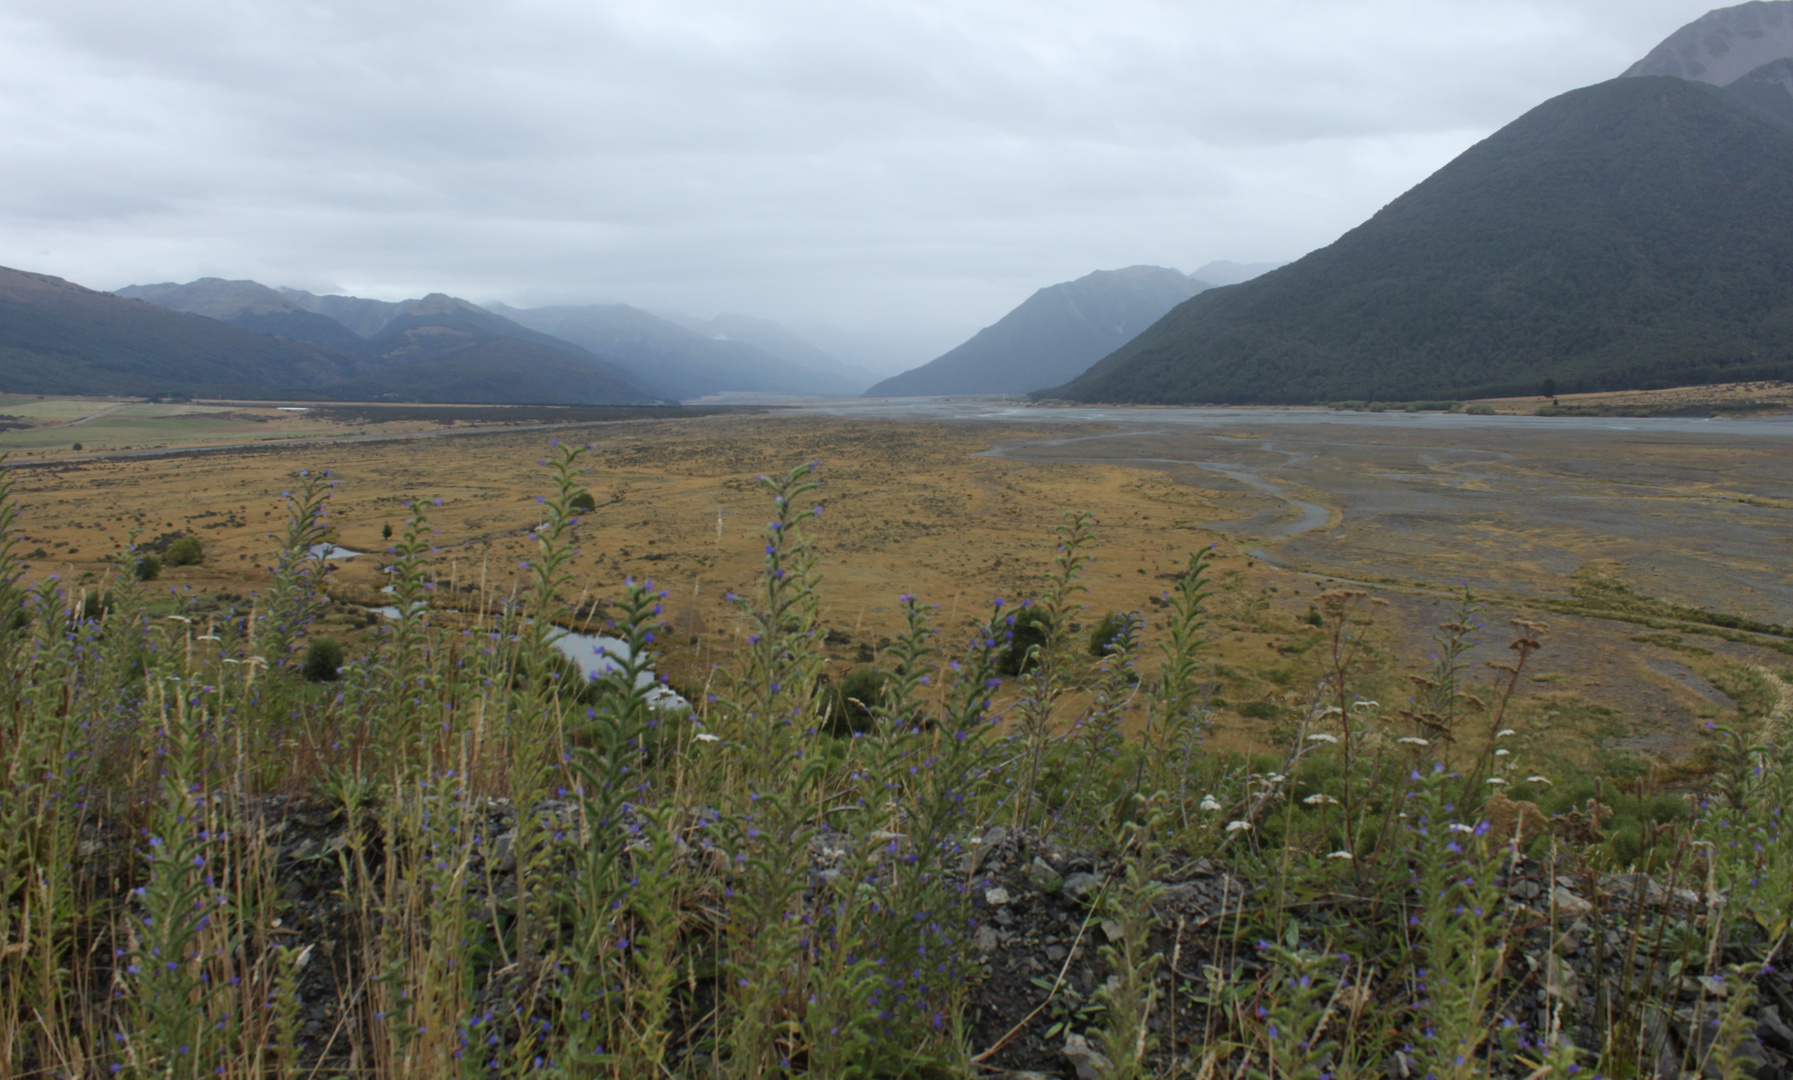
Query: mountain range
pixel 214 336
pixel 1054 335
pixel 678 361
pixel 59 338
pixel 1633 234
pixel 436 348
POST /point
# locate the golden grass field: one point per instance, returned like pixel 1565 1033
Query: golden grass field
pixel 910 506
pixel 1742 398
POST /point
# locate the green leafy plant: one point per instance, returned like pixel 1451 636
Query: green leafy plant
pixel 186 551
pixel 323 660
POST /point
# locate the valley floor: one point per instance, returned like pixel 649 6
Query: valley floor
pixel 1616 536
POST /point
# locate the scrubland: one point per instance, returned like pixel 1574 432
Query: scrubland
pixel 1257 825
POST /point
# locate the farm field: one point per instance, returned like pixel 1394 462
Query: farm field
pixel 962 511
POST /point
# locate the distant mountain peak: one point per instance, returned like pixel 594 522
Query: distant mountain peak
pixel 1724 45
pixel 213 297
pixel 1052 337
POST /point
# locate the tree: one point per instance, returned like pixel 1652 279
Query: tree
pixel 186 551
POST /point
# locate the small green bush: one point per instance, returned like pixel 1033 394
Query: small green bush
pixel 77 446
pixel 187 551
pixel 583 501
pixel 853 699
pixel 1261 710
pixel 323 660
pixel 1026 631
pixel 149 568
pixel 1101 639
pixel 1480 410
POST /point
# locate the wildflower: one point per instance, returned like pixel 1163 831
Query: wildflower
pixel 704 736
pixel 1458 826
pixel 1504 732
pixel 1238 826
pixel 1537 780
pixel 1413 740
pixel 1320 798
pixel 1495 780
pixel 1346 855
pixel 1210 803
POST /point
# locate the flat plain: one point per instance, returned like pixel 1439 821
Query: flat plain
pixel 959 507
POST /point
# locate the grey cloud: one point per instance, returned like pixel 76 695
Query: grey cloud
pixel 906 170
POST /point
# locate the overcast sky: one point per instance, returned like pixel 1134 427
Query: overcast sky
pixel 902 171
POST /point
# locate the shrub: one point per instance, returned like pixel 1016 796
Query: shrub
pixel 186 551
pixel 1101 639
pixel 1480 410
pixel 583 501
pixel 149 568
pixel 1027 630
pixel 77 446
pixel 323 660
pixel 852 700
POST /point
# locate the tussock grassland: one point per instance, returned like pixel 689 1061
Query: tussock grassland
pixel 453 855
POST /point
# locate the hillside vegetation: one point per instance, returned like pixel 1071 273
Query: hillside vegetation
pixel 1633 234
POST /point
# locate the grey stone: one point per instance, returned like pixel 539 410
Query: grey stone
pixel 1090 1063
pixel 1773 1031
pixel 1567 903
pixel 504 853
pixel 986 939
pixel 1042 877
pixel 1079 886
pixel 980 851
pixel 996 897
